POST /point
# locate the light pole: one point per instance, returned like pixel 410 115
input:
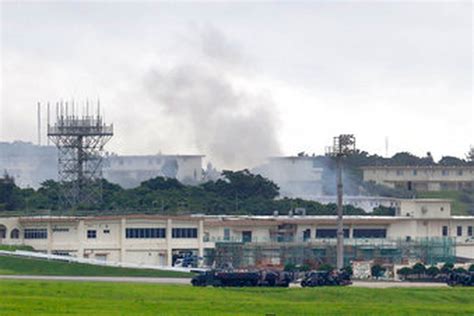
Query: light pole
pixel 343 145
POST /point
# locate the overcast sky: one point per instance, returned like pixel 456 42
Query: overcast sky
pixel 239 81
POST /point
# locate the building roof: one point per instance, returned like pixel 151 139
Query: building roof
pixel 417 167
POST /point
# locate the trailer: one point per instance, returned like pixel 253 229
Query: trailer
pixel 326 278
pixel 237 278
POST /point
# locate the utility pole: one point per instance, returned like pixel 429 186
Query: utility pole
pixel 343 145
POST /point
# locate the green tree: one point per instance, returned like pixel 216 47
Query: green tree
pixel 405 272
pixel 471 268
pixel 419 269
pixel 377 271
pixel 447 267
pixel 432 271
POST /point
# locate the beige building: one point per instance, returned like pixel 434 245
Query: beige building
pixel 159 240
pixel 422 178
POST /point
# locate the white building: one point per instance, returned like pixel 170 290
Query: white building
pixel 156 240
pixel 31 164
pixel 129 171
pixel 422 178
pixel 367 203
pixel 295 175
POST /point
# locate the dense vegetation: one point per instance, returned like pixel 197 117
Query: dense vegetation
pixel 26 266
pixel 237 192
pixel 92 298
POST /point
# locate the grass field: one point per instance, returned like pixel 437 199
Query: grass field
pixel 39 297
pixel 17 265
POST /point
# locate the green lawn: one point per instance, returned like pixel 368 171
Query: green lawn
pixel 19 247
pixel 94 298
pixel 18 265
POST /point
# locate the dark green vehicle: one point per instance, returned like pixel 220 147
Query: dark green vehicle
pixel 242 278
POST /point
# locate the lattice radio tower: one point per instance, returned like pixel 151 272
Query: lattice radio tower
pixel 80 139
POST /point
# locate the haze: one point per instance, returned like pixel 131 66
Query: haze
pixel 241 81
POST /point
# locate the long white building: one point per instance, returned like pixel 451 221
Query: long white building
pixel 159 240
pixel 422 178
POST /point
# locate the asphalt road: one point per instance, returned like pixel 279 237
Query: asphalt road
pixel 186 281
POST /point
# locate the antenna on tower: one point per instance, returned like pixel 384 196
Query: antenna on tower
pixel 47 122
pixel 386 146
pixel 80 141
pixel 39 124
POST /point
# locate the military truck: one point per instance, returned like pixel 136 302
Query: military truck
pixel 326 278
pixel 237 278
pixel 460 279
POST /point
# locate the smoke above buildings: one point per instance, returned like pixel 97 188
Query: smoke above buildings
pixel 233 125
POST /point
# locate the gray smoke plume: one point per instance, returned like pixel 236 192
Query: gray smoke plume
pixel 232 126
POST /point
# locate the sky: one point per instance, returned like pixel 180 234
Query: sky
pixel 240 81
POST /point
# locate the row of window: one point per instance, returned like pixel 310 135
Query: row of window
pixel 35 233
pixel 145 233
pixel 443 172
pixel 148 233
pixel 356 233
pixel 459 231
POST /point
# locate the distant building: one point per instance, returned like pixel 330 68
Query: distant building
pixel 28 164
pixel 367 203
pixel 296 176
pixel 31 164
pixel 129 171
pixel 422 178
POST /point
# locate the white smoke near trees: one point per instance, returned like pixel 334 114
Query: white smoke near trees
pixel 233 126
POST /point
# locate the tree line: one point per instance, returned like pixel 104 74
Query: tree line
pixel 236 192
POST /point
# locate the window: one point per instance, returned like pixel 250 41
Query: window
pixel 445 231
pixel 61 253
pixel 415 172
pixel 60 230
pixel 247 236
pixel 370 233
pixel 469 231
pixel 106 231
pixel 306 234
pixel 36 233
pixel 3 232
pixel 184 233
pixel 330 233
pixel 445 172
pixel 226 234
pixel 399 172
pixel 459 231
pixel 15 234
pixel 459 172
pixel 146 233
pixel 91 234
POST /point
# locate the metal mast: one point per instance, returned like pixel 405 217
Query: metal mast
pixel 343 145
pixel 80 140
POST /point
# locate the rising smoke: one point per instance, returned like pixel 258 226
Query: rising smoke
pixel 234 127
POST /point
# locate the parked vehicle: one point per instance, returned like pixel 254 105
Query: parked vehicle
pixel 460 279
pixel 233 278
pixel 326 278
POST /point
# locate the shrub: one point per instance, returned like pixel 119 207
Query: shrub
pixel 377 271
